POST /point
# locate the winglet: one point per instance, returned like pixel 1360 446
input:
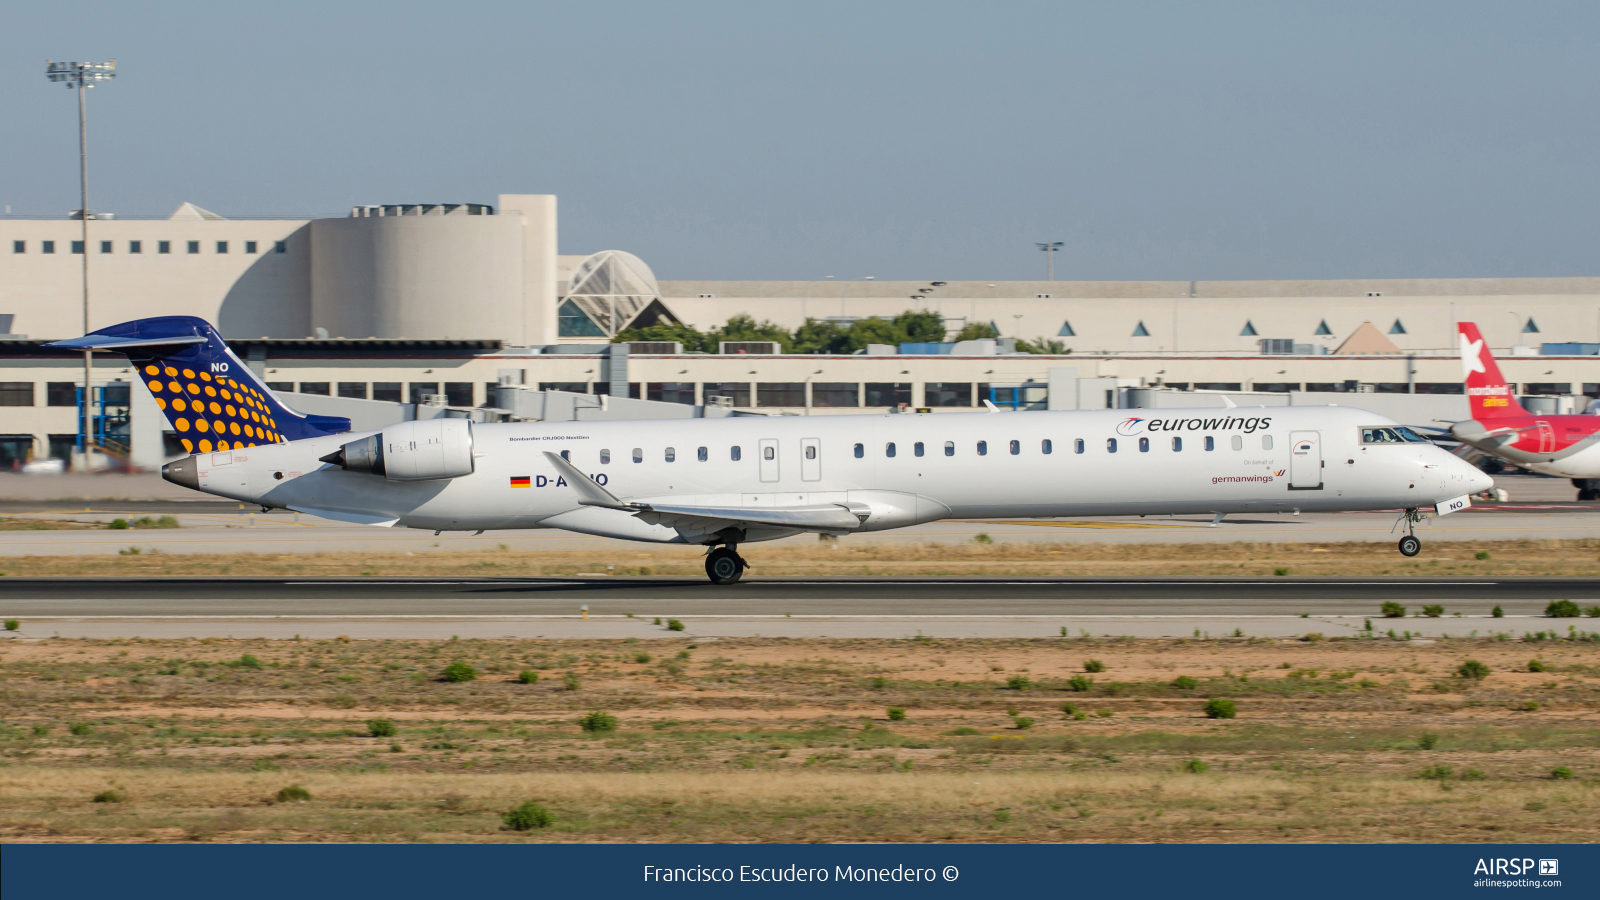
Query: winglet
pixel 992 407
pixel 589 493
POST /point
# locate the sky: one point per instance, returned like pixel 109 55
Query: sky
pixel 925 141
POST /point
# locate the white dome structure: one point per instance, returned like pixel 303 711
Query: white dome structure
pixel 611 291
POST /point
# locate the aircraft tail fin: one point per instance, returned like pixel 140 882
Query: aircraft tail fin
pixel 1488 394
pixel 208 394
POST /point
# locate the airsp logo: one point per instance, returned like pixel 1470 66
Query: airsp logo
pixel 1549 867
pixel 1130 426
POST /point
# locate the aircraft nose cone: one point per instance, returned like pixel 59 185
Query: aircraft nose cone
pixel 1477 480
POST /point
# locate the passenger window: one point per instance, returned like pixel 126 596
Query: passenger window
pixel 1144 445
pixel 811 452
pixel 1111 445
pixel 916 448
pixel 734 453
pixel 769 452
pixel 672 454
pixel 638 454
pixel 1237 442
pixel 1266 442
pixel 1077 445
pixel 861 451
pixel 605 457
pixel 1016 447
pixel 701 454
pixel 888 449
pixel 1211 443
pixel 983 448
pixel 1177 445
pixel 566 455
pixel 949 448
pixel 1044 446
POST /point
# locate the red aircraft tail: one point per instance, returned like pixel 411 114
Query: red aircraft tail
pixel 1488 394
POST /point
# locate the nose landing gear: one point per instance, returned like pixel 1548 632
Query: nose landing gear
pixel 724 565
pixel 1410 545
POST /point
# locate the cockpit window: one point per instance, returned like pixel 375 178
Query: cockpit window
pixel 1397 435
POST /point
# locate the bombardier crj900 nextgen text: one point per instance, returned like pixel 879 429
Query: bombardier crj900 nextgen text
pixel 723 482
pixel 1565 446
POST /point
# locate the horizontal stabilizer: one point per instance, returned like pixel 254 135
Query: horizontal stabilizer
pixel 112 342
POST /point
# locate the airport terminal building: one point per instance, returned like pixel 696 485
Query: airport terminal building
pixel 470 309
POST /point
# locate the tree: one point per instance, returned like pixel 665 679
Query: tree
pixel 743 328
pixel 690 337
pixel 872 331
pixel 977 331
pixel 922 326
pixel 1042 347
pixel 818 335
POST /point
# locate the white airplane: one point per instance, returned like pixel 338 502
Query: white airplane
pixel 724 482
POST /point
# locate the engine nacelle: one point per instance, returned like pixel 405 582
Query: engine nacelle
pixel 411 451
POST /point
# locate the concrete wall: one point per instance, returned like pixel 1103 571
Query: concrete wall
pixel 245 294
pixel 1182 316
pixel 454 276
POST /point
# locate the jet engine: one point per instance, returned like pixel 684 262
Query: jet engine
pixel 411 451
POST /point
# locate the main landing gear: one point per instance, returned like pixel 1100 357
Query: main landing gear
pixel 724 565
pixel 1410 545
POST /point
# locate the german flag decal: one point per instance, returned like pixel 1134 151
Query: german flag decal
pixel 518 481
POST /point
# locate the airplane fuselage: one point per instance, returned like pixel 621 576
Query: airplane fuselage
pixel 890 470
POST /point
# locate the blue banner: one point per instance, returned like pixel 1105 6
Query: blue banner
pixel 311 872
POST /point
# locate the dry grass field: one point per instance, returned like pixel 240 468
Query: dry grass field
pixel 795 740
pixel 851 557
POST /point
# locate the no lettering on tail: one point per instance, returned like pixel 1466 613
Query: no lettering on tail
pixel 1488 394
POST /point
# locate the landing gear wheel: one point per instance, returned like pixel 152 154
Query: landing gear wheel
pixel 723 566
pixel 1586 494
pixel 1410 546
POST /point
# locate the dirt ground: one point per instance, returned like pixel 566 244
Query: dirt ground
pixel 1470 559
pixel 798 740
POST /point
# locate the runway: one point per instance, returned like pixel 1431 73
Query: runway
pixel 630 607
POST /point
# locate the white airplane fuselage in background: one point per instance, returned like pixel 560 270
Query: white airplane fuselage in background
pixel 679 481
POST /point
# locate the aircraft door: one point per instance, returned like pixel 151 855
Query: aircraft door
pixel 769 459
pixel 1305 460
pixel 810 459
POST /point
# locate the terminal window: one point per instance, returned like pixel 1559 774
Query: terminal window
pixel 458 393
pixel 571 387
pixel 844 393
pixel 60 393
pixel 280 247
pixel 281 386
pixel 77 246
pixel 314 387
pixel 422 389
pixel 946 393
pixel 163 246
pixel 14 449
pixel 47 246
pixel 135 247
pixel 194 246
pixel 888 394
pixel 737 392
pixel 249 246
pixel 17 393
pixel 222 246
pixel 782 393
pixel 105 246
pixel 386 390
pixel 19 246
pixel 670 391
pixel 354 390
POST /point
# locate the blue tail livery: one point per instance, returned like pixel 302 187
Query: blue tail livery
pixel 212 398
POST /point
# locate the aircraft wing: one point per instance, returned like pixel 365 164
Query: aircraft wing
pixel 820 517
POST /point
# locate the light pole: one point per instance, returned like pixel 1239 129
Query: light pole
pixel 1050 248
pixel 83 76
